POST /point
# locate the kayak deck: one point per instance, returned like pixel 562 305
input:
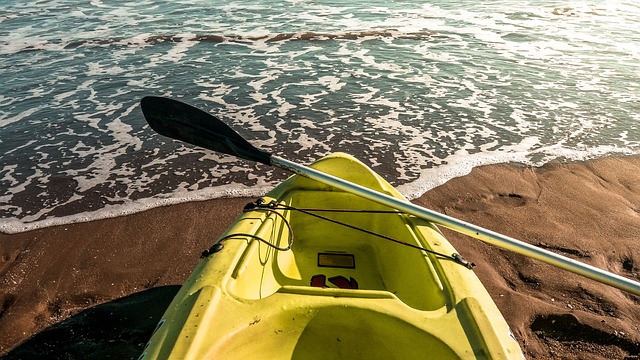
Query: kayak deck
pixel 338 293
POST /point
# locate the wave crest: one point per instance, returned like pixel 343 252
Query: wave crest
pixel 241 39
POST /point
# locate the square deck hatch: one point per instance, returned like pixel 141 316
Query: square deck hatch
pixel 336 260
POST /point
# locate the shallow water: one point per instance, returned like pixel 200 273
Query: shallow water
pixel 421 91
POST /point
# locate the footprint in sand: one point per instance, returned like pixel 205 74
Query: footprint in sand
pixel 485 202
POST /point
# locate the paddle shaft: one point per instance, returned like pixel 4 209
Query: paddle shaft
pixel 463 227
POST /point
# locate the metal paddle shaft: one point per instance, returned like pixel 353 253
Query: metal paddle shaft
pixel 184 122
pixel 463 227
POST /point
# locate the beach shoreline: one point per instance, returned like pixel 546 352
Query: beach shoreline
pixel 57 281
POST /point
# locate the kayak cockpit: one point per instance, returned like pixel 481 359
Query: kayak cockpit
pixel 329 255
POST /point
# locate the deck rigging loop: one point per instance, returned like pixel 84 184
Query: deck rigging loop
pixel 217 246
pixel 272 206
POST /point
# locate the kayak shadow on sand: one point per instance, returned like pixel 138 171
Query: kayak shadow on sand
pixel 118 329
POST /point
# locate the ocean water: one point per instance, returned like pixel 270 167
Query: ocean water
pixel 422 91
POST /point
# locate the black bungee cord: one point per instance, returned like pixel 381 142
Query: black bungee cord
pixel 273 206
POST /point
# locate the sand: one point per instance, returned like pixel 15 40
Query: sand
pixel 97 289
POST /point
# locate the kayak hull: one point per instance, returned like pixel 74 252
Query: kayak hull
pixel 338 293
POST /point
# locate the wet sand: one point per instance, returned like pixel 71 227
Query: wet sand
pixel 97 289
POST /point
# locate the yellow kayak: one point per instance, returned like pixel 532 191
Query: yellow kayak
pixel 300 275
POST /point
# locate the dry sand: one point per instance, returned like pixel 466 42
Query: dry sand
pixel 97 289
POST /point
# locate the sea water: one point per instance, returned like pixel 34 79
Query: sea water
pixel 421 91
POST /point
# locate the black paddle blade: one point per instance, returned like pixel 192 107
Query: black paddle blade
pixel 184 122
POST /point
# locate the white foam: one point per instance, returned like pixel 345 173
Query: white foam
pixel 179 50
pixel 13 182
pixel 12 226
pixel 16 187
pixel 461 162
pixel 7 16
pixel 98 3
pixel 6 119
pixel 331 82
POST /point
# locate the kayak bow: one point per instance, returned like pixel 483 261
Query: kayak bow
pixel 336 292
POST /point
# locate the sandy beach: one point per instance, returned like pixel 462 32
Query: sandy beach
pixel 97 289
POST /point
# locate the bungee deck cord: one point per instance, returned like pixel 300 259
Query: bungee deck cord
pixel 273 207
